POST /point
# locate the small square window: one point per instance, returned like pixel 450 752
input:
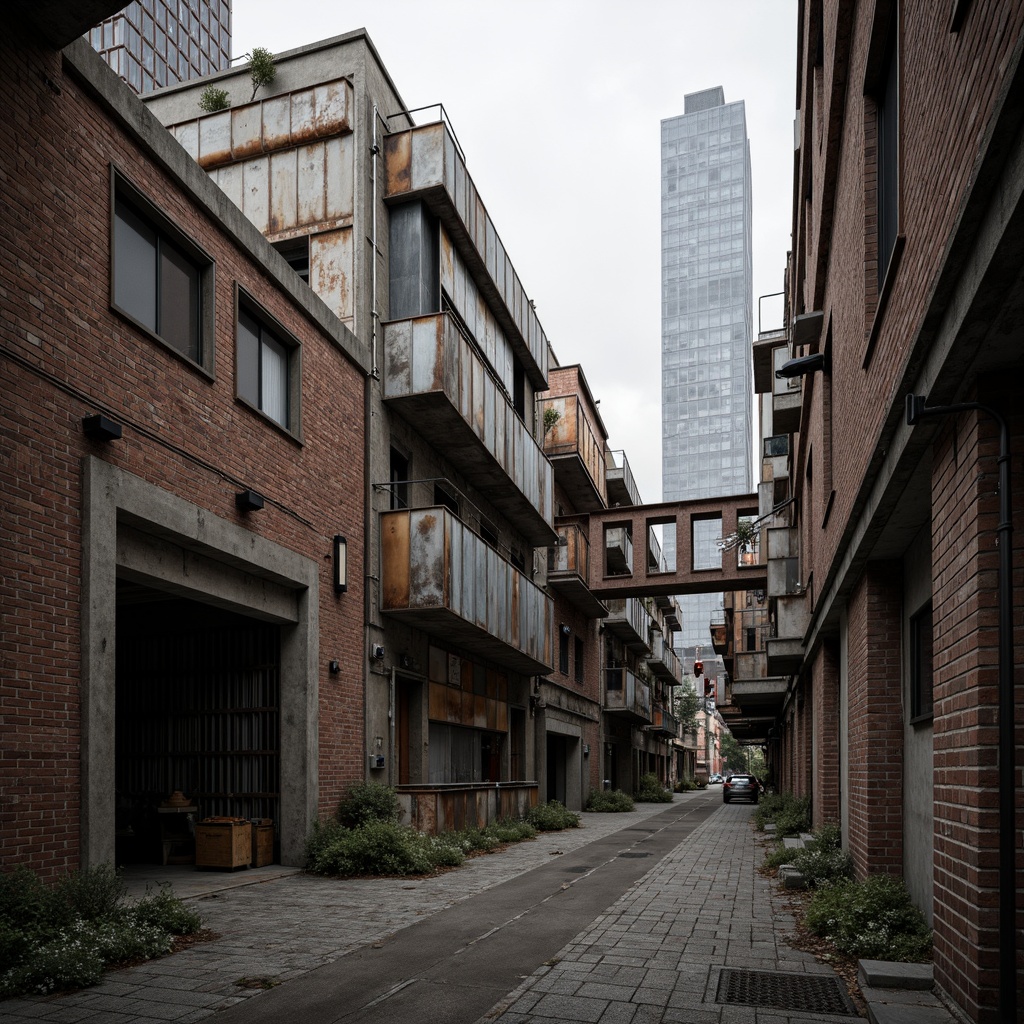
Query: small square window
pixel 267 365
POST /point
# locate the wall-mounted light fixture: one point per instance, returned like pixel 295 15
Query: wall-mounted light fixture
pixel 340 564
pixel 566 630
pixel 801 366
pixel 586 750
pixel 334 667
pixel 248 501
pixel 101 428
pixel 377 652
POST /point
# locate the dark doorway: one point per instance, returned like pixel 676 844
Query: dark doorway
pixel 197 713
pixel 558 753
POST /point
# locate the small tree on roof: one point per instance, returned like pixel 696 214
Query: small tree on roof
pixel 261 69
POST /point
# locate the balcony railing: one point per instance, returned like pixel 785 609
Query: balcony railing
pixel 569 569
pixel 442 578
pixel 629 620
pixel 664 722
pixel 434 377
pixel 622 489
pixel 664 662
pixel 575 450
pixel 626 695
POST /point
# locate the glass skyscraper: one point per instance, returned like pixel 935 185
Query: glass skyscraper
pixel 706 320
pixel 152 43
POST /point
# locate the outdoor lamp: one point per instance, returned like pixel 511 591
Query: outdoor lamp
pixel 340 564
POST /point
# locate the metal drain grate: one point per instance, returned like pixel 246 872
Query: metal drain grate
pixel 803 993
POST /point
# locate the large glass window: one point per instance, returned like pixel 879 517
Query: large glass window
pixel 267 367
pixel 158 279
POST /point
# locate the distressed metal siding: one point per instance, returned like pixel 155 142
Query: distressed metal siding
pixel 429 355
pixel 426 158
pixel 431 560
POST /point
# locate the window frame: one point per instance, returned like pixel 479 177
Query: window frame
pixel 921 711
pixel 124 191
pixel 247 304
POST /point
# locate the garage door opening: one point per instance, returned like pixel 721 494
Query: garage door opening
pixel 197 723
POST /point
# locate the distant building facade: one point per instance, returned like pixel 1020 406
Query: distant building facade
pixel 707 321
pixel 153 43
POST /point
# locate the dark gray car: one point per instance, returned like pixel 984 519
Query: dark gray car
pixel 741 787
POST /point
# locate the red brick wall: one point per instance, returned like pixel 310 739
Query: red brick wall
pixel 876 722
pixel 825 705
pixel 66 354
pixel 966 721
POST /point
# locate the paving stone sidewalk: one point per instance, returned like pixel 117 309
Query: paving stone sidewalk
pixel 656 955
pixel 283 926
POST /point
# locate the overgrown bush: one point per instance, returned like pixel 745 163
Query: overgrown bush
pixel 685 785
pixel 365 802
pixel 552 817
pixel 212 99
pixel 65 935
pixel 609 800
pixel 872 920
pixel 651 791
pixel 823 860
pixel 790 815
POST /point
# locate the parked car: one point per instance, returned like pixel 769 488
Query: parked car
pixel 715 778
pixel 741 787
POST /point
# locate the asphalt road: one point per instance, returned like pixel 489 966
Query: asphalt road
pixel 452 967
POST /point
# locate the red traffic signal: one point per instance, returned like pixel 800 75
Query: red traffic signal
pixel 709 688
pixel 698 668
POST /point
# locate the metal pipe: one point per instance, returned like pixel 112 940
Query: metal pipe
pixel 916 409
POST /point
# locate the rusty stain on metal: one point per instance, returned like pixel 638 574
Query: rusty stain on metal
pixel 398 163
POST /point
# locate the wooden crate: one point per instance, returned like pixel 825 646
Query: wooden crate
pixel 262 842
pixel 223 844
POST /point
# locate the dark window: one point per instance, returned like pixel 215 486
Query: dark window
pixel 399 480
pixel 488 533
pixel 579 659
pixel 296 253
pixel 519 389
pixel 921 665
pixel 446 498
pixel 563 649
pixel 158 279
pixel 888 113
pixel 266 367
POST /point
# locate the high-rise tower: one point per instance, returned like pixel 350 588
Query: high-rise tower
pixel 706 318
pixel 152 43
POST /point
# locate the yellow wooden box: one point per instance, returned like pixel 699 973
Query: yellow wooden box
pixel 223 844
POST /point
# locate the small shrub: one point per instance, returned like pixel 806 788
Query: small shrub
pixel 512 830
pixel 552 817
pixel 261 69
pixel 374 848
pixel 790 815
pixel 94 895
pixel 685 786
pixel 367 801
pixel 775 856
pixel 212 99
pixel 611 801
pixel 651 791
pixel 823 860
pixel 872 920
pixel 164 910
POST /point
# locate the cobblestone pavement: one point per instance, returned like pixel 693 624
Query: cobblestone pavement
pixel 281 926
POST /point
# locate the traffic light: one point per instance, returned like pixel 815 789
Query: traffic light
pixel 709 687
pixel 698 669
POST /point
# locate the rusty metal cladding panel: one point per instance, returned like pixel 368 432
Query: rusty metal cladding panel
pixel 215 139
pixel 453 700
pixel 490 252
pixel 453 356
pixel 427 569
pixel 311 206
pixel 188 137
pixel 284 174
pixel 230 181
pixel 398 163
pixel 501 269
pixel 303 116
pixel 428 157
pixel 459 294
pixel 395 561
pixel 456 571
pixel 340 188
pixel 479 219
pixel 494 405
pixel 397 358
pixel 502 717
pixel 461 197
pixel 484 584
pixel 451 158
pixel 480 712
pixel 438 701
pixel 426 355
pixel 476 397
pixel 447 262
pixel 469 586
pixel 497 602
pixel 277 122
pixel 246 131
pixel 501 425
pixel 330 109
pixel 256 192
pixel 330 269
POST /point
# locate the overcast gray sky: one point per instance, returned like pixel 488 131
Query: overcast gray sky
pixel 557 105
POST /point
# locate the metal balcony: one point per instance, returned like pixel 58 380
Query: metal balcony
pixel 622 489
pixel 626 696
pixel 765 346
pixel 575 450
pixel 787 397
pixel 440 577
pixel 426 162
pixel 663 660
pixel 569 570
pixel 630 621
pixel 664 722
pixel 434 378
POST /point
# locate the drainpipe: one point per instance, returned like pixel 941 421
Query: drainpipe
pixel 916 409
